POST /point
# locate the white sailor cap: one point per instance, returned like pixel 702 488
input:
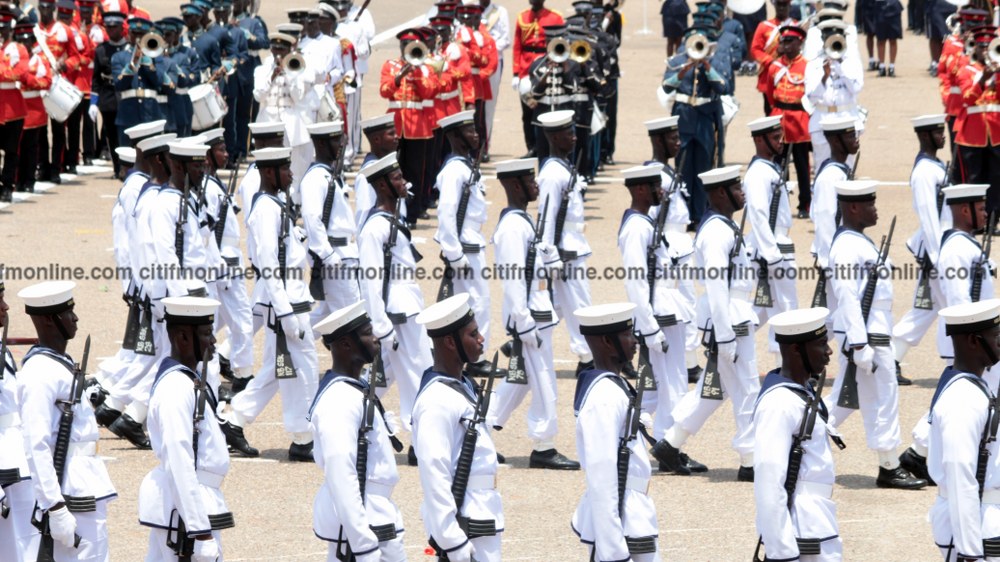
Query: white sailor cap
pixel 928 122
pixel 279 37
pixel 381 167
pixel 965 193
pixel 157 144
pixel 188 151
pixel 447 316
pixel 834 4
pixel 126 154
pixel 764 125
pixel 601 319
pixel 801 325
pixel 662 124
pixel 516 168
pixel 326 10
pixel 832 124
pixel 720 177
pixel 343 321
pixel 971 317
pixel 326 129
pixel 293 29
pixel 556 120
pixel 639 175
pixel 830 12
pixel 269 129
pixel 47 297
pixel 456 120
pixel 195 288
pixel 189 311
pixel 145 130
pixel 832 24
pixel 856 190
pixel 383 121
pixel 212 137
pixel 272 157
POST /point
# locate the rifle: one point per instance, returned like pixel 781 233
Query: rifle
pixel 515 368
pixel 286 225
pixel 849 390
pixel 220 224
pixel 711 387
pixel 181 221
pixel 564 206
pixel 201 388
pixel 60 452
pixel 362 10
pixel 983 263
pixel 762 296
pixel 658 226
pixel 447 287
pixel 854 167
pixel 132 322
pixel 387 250
pixel 361 464
pixel 3 350
pixel 632 427
pixel 942 185
pixel 316 275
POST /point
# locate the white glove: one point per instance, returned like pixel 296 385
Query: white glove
pixel 156 307
pixel 300 233
pixel 392 422
pixel 461 263
pixel 531 339
pixel 515 83
pixel 657 341
pixel 290 324
pixel 62 525
pixel 92 113
pixel 727 352
pixel 555 269
pixel 206 551
pixel 864 358
pixel 333 260
pixel 463 554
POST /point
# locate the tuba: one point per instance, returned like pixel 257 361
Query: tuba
pixel 152 45
pixel 415 53
pixel 697 46
pixel 835 46
pixel 293 63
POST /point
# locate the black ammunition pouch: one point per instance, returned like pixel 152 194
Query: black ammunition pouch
pixel 475 528
pixel 808 547
pixel 384 533
pixel 641 545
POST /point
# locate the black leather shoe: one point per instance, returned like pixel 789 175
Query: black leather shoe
pixel 903 381
pixel 670 458
pixel 6 196
pixel 898 478
pixel 501 459
pixel 507 348
pixel 802 215
pixel 486 158
pixel 745 474
pixel 225 393
pixel 301 453
pixel 239 385
pixel 552 459
pixel 424 216
pixel 915 465
pixel 530 154
pixel 581 367
pixel 629 371
pixel 71 170
pixel 237 441
pixel 480 368
pixel 694 373
pixel 96 395
pixel 693 465
pixel 127 428
pixel 411 457
pixel 225 368
pixel 105 415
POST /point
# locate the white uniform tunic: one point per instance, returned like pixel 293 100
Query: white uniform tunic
pixel 282 298
pixel 878 392
pixel 392 314
pixel 46 376
pixel 601 404
pixel 823 213
pixel 249 186
pixel 958 260
pixel 573 292
pixel 667 311
pixel 340 515
pixel 451 181
pixel 333 242
pixel 18 538
pixel 364 193
pixel 292 100
pixel 761 184
pixel 181 485
pixel 777 419
pixel 723 307
pixel 836 96
pixel 441 415
pixel 527 312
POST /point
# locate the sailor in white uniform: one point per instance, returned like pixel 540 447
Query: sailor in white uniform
pixel 381 134
pixel 792 446
pixel 965 517
pixel 464 524
pixel 616 520
pixel 181 499
pixel 528 316
pixel 289 362
pixel 727 322
pixel 834 10
pixel 75 501
pixel 329 224
pixel 461 214
pixel 561 185
pixel 353 510
pixel 865 341
pixel 264 135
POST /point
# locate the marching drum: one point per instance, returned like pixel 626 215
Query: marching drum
pixel 328 109
pixel 209 106
pixel 61 99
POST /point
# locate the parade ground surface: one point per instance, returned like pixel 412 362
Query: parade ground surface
pixel 706 517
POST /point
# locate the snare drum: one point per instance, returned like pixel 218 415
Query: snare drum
pixel 209 106
pixel 61 99
pixel 329 110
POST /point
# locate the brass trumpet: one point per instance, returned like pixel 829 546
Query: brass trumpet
pixel 415 53
pixel 558 51
pixel 835 46
pixel 580 51
pixel 993 52
pixel 970 45
pixel 697 47
pixel 152 45
pixel 293 63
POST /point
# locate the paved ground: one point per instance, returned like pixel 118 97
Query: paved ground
pixel 701 518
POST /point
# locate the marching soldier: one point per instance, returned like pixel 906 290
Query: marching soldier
pixel 865 340
pixel 560 185
pixel 13 110
pixel 456 70
pixel 264 135
pixel 463 524
pixel 329 224
pixel 63 52
pixel 381 134
pixel 182 68
pixel 353 511
pixel 832 87
pixel 93 30
pixel 290 362
pixel 357 26
pixel 72 486
pixel 483 53
pixel 962 439
pixel 727 321
pixel 793 462
pixel 36 79
pixel 979 156
pixel 786 90
pixel 766 47
pixel 530 42
pixel 528 315
pixel 237 57
pixel 952 60
pixel 102 96
pixel 497 23
pixel 81 77
pixel 615 519
pixel 255 31
pixel 137 81
pixel 181 500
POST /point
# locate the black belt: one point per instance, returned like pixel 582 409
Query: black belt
pixel 742 331
pixel 80 504
pixel 789 106
pixel 384 533
pixel 534 49
pixel 475 528
pixel 9 476
pixel 301 307
pixel 641 545
pixel 337 242
pixel 786 248
pixel 231 262
pixel 667 320
pixel 879 340
pixel 222 521
pixel 471 248
pixel 396 318
pixel 541 315
pixel 567 255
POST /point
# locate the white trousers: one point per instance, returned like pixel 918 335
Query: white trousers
pixel 486 549
pixel 911 328
pixel 479 293
pixel 235 314
pixel 160 552
pixel 354 121
pixel 302 156
pixel 670 374
pixel 740 384
pixel 783 294
pixel 297 393
pixel 491 105
pixel 568 296
pixel 134 386
pixel 19 539
pixel 406 364
pixel 541 374
pixel 388 551
pixel 338 292
pixel 878 399
pixel 652 557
